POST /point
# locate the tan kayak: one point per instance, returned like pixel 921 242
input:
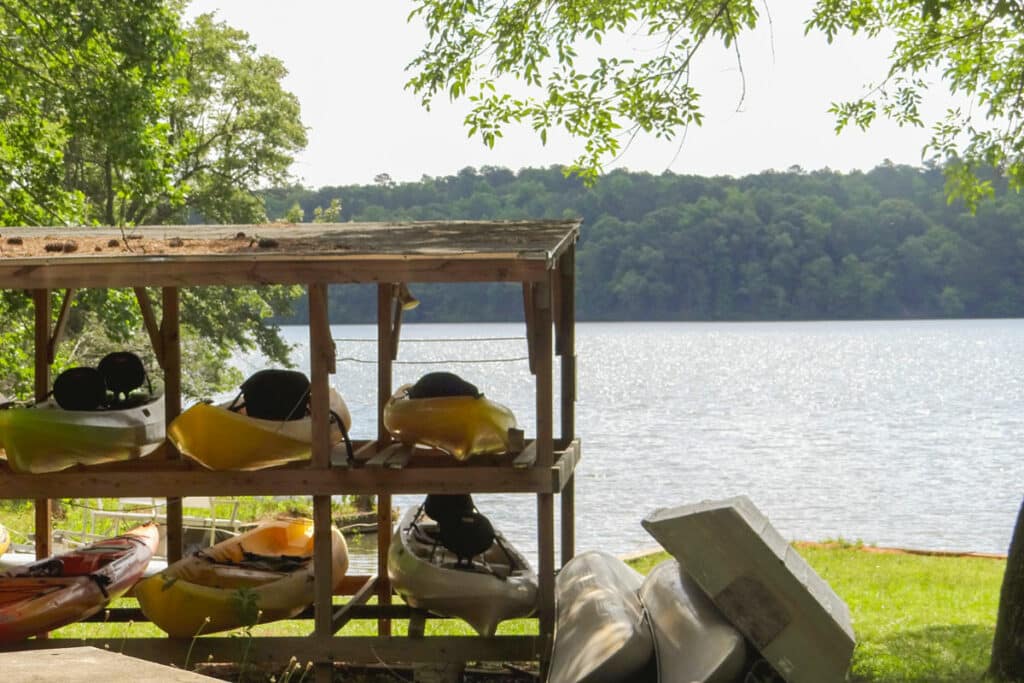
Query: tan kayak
pixel 259 576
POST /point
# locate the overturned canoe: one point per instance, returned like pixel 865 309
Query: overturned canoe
pixel 221 439
pixel 496 585
pixel 47 438
pixel 259 576
pixel 601 631
pixel 693 642
pixel 39 597
pixel 460 425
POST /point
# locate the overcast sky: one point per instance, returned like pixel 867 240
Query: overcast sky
pixel 346 64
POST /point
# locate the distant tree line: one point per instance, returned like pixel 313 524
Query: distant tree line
pixel 791 245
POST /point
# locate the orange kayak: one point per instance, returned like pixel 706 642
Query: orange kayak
pixel 66 588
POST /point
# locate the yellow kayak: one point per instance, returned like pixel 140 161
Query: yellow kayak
pixel 260 576
pixel 460 425
pixel 220 439
pixel 5 539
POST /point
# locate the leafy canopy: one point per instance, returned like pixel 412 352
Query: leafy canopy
pixel 484 50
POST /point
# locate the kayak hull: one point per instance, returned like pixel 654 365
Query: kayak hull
pixel 220 439
pixel 66 588
pixel 222 587
pixel 423 573
pixel 463 426
pixel 693 641
pixel 47 438
pixel 601 632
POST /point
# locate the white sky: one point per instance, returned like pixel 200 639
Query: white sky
pixel 346 64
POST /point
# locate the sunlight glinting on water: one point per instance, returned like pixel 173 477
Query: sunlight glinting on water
pixel 895 433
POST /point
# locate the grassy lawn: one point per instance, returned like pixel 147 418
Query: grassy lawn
pixel 916 618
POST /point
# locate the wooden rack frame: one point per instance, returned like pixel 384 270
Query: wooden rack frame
pixel 538 254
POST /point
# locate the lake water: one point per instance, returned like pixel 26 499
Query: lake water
pixel 895 433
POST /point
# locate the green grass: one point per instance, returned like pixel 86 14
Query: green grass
pixel 917 618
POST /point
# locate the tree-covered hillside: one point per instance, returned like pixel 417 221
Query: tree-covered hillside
pixel 773 246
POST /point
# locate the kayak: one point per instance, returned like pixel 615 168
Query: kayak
pixel 259 576
pixel 47 438
pixel 5 539
pixel 47 594
pixel 601 631
pixel 221 439
pixel 496 585
pixel 692 640
pixel 460 425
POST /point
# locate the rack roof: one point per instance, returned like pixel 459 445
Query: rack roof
pixel 187 255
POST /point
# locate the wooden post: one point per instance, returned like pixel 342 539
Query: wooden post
pixel 565 345
pixel 541 300
pixel 387 345
pixel 169 353
pixel 41 302
pixel 321 362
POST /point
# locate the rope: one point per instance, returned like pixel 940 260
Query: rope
pixel 349 359
pixel 434 341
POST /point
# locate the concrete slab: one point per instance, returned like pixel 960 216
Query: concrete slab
pixel 88 665
pixel 762 585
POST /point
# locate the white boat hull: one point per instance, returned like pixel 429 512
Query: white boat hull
pixel 601 633
pixel 501 585
pixel 693 642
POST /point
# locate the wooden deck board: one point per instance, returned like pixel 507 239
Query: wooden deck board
pixel 87 665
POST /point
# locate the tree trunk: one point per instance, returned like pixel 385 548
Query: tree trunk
pixel 1007 662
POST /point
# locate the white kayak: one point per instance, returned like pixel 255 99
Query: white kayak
pixel 496 585
pixel 47 438
pixel 693 642
pixel 601 632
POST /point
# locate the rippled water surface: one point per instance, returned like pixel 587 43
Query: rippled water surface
pixel 895 433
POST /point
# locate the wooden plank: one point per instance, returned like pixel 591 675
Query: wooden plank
pixel 46 274
pixel 529 316
pixel 399 457
pixel 527 458
pixel 89 664
pixel 149 320
pixel 344 614
pixel 386 345
pixel 382 456
pixel 85 483
pixel 546 577
pixel 58 330
pixel 565 347
pixel 418 624
pixel 264 651
pixel 323 589
pixel 170 354
pixel 321 361
pixel 41 303
pixel 543 381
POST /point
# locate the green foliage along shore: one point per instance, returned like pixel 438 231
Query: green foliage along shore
pixel 791 245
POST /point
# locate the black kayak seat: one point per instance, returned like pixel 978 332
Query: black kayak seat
pixel 441 507
pixel 467 535
pixel 438 384
pixel 276 394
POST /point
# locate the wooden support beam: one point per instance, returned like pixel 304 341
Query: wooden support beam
pixel 531 324
pixel 41 302
pixel 58 330
pixel 387 345
pixel 344 614
pixel 565 347
pixel 321 353
pixel 546 578
pixel 152 326
pixel 170 352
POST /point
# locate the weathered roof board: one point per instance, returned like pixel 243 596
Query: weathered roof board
pixel 242 254
pixel 762 585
